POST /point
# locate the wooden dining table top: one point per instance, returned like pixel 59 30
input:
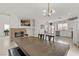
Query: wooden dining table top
pixel 37 47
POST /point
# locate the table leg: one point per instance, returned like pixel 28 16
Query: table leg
pixel 38 35
pixel 49 38
pixel 53 38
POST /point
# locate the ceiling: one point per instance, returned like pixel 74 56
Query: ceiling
pixel 36 9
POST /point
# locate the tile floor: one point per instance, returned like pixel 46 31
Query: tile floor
pixel 5 44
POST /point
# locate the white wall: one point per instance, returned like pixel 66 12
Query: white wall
pixel 4 19
pixel 76 32
pixel 15 23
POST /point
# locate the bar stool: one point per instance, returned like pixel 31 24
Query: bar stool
pixel 41 36
pixel 50 36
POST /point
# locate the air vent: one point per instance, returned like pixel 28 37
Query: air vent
pixel 73 18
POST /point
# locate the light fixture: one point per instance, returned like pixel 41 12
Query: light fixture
pixel 49 11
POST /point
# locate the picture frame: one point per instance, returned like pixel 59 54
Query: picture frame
pixel 25 22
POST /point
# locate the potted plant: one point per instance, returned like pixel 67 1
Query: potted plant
pixel 6 32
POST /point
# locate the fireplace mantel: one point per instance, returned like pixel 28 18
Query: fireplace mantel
pixel 14 30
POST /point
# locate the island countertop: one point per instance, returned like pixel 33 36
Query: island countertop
pixel 37 47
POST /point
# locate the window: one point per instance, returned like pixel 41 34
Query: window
pixel 60 26
pixel 63 26
pixel 6 27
